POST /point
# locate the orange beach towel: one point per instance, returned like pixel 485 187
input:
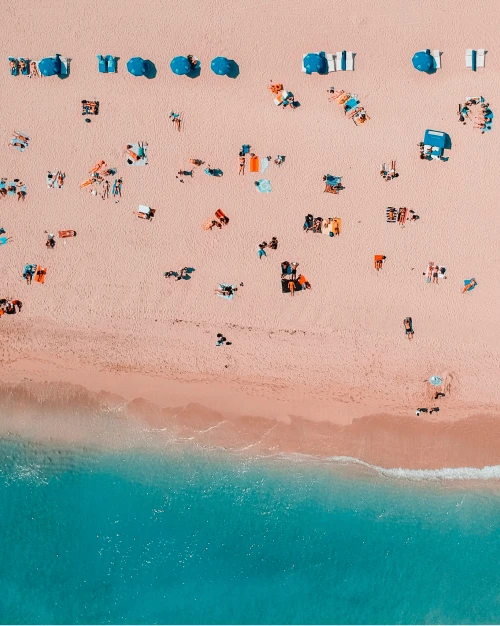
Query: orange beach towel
pixel 254 164
pixel 67 233
pixel 219 214
pixel 97 167
pixel 40 274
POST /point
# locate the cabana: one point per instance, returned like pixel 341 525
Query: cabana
pixel 435 142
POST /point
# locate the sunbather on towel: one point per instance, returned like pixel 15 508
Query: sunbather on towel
pixel 469 285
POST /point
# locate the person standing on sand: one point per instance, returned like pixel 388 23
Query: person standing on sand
pixel 294 267
pixel 291 286
pixel 241 162
pixel 261 252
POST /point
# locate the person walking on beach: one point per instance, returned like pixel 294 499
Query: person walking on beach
pixel 241 163
pixel 261 251
pixel 182 272
pixel 291 286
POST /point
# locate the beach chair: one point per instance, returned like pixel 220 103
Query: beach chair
pixel 480 57
pixel 111 61
pixel 340 61
pixel 330 60
pixel 436 55
pixel 303 66
pixel 64 66
pixel 103 64
pixel 470 59
pixel 349 61
pixel 391 215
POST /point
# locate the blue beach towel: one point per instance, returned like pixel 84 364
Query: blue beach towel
pixel 468 282
pixel 221 286
pixel 264 186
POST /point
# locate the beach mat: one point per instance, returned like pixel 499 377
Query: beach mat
pixel 391 215
pixel 285 288
pixel 254 164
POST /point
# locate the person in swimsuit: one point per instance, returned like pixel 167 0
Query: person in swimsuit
pixel 241 163
pixel 273 244
pixel 435 274
pixel 408 327
pixel 284 269
pixel 291 286
pixel 294 267
pixel 470 286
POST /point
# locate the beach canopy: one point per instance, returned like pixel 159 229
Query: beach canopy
pixel 314 63
pixel 51 66
pixel 435 138
pixel 423 61
pixel 180 66
pixel 220 65
pixel 137 66
pixel 436 381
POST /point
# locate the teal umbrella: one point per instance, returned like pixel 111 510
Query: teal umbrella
pixel 180 66
pixel 220 66
pixel 137 66
pixel 422 61
pixel 51 66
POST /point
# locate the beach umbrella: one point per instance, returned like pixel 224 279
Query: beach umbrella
pixel 51 66
pixel 422 61
pixel 180 66
pixel 436 381
pixel 264 186
pixel 314 63
pixel 137 66
pixel 220 65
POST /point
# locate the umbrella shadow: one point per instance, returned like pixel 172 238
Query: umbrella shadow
pixel 150 70
pixel 187 275
pixel 234 70
pixel 195 72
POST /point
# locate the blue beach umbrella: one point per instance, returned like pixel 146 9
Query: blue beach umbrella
pixel 180 66
pixel 51 66
pixel 264 186
pixel 422 61
pixel 314 63
pixel 137 66
pixel 220 66
pixel 436 381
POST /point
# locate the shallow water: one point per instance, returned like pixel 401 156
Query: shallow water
pixel 140 538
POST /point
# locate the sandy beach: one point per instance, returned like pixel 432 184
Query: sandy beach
pixel 328 371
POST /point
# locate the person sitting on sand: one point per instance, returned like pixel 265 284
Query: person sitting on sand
pixel 241 163
pixel 273 244
pixel 408 327
pixel 284 269
pixel 51 242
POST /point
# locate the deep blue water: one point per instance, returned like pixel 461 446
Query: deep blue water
pixel 138 538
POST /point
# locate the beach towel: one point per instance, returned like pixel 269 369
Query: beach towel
pixel 343 98
pixel 3 183
pixel 222 286
pixel 40 274
pixel 11 188
pixel 391 214
pixel 254 164
pixel 111 61
pixel 336 226
pixel 207 224
pixel 3 240
pixel 136 154
pixel 467 283
pixel 285 285
pixel 219 214
pixel 264 186
pixel 377 259
pixel 264 164
pixel 67 233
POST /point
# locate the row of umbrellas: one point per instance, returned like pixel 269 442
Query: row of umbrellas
pixel 51 66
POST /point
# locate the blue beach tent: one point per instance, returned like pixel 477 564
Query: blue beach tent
pixel 220 66
pixel 50 66
pixel 137 66
pixel 436 139
pixel 180 66
pixel 423 61
pixel 314 63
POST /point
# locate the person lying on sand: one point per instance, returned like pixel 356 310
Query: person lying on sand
pixel 196 162
pixel 51 241
pixel 182 272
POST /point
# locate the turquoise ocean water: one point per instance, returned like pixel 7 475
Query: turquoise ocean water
pixel 143 538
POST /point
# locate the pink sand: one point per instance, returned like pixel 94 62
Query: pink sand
pixel 108 319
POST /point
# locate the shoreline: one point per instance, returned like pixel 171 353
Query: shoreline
pixel 56 411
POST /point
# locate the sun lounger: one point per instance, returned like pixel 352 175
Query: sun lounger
pixel 111 60
pixel 470 59
pixel 436 55
pixel 64 66
pixel 40 274
pixel 391 215
pixel 349 61
pixel 14 70
pixel 254 164
pixel 340 61
pixel 480 57
pixel 102 64
pixel 64 234
pixel 330 60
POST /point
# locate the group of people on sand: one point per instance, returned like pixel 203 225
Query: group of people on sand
pixel 16 187
pixel 220 221
pixel 333 184
pixel 261 248
pixel 9 306
pixel 434 272
pixel 182 273
pixel 290 280
pixel 478 111
pixel 388 174
pixel 350 104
